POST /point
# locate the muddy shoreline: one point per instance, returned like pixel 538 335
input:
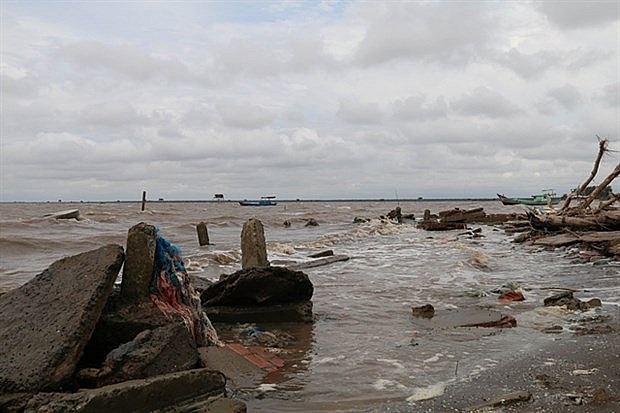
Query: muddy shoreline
pixel 574 372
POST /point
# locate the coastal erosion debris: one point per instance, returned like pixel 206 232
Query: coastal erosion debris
pixel 68 214
pixel 72 340
pixel 457 218
pixel 593 223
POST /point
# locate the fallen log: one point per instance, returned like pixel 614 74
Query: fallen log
pixel 603 221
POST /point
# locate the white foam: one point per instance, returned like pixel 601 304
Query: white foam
pixel 393 362
pixel 267 387
pixel 428 392
pixel 383 384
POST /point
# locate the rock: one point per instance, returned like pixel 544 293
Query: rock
pixel 153 352
pixel 46 323
pixel 259 287
pixel 425 311
pixel 566 298
pixel 187 391
pixel 503 400
pixel 559 299
pixel 326 253
pixel 200 283
pixel 511 295
pixel 358 220
pixel 14 402
pixel 396 215
pixel 311 222
pixel 253 246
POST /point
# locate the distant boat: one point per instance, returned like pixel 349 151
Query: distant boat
pixel 264 201
pixel 540 199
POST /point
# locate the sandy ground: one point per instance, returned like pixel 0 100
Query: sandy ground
pixel 573 373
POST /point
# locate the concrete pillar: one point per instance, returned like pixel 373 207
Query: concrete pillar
pixel 253 245
pixel 139 263
pixel 203 234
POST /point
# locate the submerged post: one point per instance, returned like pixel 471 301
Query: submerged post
pixel 143 199
pixel 203 234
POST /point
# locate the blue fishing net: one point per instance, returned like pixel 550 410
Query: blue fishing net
pixel 168 259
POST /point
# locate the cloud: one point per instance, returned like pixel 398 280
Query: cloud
pixel 125 60
pixel 416 108
pixel 244 115
pixel 361 113
pixel 579 14
pixel 303 99
pixel 423 30
pixel 568 96
pixel 485 102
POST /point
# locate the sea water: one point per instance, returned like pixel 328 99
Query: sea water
pixel 365 352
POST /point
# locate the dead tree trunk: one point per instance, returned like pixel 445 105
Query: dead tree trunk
pixel 602 148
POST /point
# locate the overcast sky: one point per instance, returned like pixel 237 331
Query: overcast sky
pixel 102 100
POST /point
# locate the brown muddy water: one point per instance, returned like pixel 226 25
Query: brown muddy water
pixel 365 352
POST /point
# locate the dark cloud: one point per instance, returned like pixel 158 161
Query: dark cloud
pixel 576 14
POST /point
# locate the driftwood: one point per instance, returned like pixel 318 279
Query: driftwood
pixel 578 193
pixel 575 224
pixel 602 221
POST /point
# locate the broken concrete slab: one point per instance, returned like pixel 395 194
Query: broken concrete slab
pixel 194 388
pixel 46 323
pixel 240 372
pixel 164 350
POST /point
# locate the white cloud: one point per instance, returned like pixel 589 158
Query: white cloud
pixel 304 99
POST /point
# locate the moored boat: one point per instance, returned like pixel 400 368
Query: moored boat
pixel 540 199
pixel 264 201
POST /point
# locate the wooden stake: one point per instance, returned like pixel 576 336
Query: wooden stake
pixel 143 199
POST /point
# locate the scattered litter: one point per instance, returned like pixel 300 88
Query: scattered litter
pixel 267 387
pixel 584 372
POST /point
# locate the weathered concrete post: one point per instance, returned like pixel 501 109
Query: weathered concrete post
pixel 139 263
pixel 253 246
pixel 427 215
pixel 203 234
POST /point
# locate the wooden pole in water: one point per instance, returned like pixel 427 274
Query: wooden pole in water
pixel 143 199
pixel 203 234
